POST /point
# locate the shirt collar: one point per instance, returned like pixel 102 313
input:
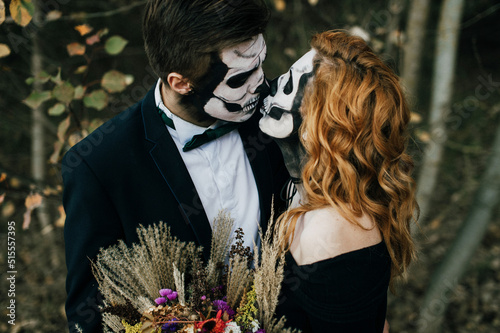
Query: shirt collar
pixel 184 129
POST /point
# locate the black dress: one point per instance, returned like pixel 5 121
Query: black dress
pixel 345 294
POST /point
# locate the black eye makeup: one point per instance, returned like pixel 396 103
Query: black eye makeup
pixel 240 79
pixel 289 85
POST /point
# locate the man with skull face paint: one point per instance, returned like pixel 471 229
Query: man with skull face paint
pixel 236 80
pixel 188 149
pixel 340 119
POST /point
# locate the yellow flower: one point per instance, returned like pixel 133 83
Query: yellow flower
pixel 132 329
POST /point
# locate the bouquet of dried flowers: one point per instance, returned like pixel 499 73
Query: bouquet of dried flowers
pixel 161 284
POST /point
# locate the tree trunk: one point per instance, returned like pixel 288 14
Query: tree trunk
pixel 392 40
pixel 446 276
pixel 38 142
pixel 442 91
pixel 415 30
pixel 37 129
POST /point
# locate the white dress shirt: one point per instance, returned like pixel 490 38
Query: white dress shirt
pixel 221 173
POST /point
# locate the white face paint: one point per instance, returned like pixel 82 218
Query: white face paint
pixel 236 97
pixel 281 109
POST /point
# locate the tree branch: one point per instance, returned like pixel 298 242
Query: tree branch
pixel 480 16
pixel 84 16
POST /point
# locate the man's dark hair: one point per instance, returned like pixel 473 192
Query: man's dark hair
pixel 181 35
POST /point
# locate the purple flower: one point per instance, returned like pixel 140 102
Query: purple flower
pixel 203 297
pixel 172 295
pixel 165 292
pixel 218 288
pixel 221 305
pixel 261 331
pixel 170 326
pixel 160 300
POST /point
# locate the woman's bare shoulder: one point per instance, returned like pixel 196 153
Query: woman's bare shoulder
pixel 324 233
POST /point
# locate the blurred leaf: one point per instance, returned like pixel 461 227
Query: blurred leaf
pixel 424 136
pixel 3 176
pixel 103 32
pixel 42 77
pixel 97 99
pixel 57 79
pixel 2 198
pixel 114 45
pixel 62 217
pixel 415 118
pixel 79 92
pixel 2 11
pixel 62 128
pixel 74 138
pixel 57 109
pixel 93 39
pixel 35 99
pixel 313 2
pixel 436 223
pixel 54 158
pixel 8 209
pixel 14 182
pixel 4 50
pixel 129 79
pixel 53 15
pixel 115 81
pixel 280 5
pixel 83 29
pixel 94 124
pixel 81 69
pixel 21 11
pixel 64 92
pixel 75 49
pixel 29 6
pixel 32 201
pixel 48 191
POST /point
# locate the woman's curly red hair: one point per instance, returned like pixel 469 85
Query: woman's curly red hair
pixel 355 133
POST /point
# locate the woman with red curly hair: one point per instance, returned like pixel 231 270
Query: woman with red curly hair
pixel 340 118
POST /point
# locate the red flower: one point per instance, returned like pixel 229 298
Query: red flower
pixel 213 325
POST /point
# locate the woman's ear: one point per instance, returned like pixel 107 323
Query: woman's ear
pixel 179 83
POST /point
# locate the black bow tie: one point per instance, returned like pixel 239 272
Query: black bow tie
pixel 200 139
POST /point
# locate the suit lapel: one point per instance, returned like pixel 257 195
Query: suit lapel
pixel 171 166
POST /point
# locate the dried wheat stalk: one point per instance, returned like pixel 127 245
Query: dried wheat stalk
pixel 269 272
pixel 222 237
pixel 179 285
pixel 136 274
pixel 239 278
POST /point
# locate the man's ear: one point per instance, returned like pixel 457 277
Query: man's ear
pixel 179 83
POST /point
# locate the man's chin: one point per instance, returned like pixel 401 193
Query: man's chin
pixel 242 116
pixel 235 116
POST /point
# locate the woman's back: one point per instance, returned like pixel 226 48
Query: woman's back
pixel 336 275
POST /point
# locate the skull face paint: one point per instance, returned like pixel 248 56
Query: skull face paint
pixel 281 109
pixel 238 79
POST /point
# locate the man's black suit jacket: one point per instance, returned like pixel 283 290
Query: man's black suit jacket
pixel 129 172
